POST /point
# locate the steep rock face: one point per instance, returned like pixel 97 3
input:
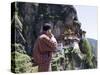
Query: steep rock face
pixel 33 16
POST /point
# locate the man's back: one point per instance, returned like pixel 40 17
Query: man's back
pixel 43 48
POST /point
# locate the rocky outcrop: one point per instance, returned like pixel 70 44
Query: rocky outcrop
pixel 34 15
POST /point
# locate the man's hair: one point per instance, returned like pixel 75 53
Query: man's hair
pixel 46 27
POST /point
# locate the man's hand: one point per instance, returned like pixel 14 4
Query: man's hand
pixel 50 35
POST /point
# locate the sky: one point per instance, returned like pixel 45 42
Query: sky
pixel 87 15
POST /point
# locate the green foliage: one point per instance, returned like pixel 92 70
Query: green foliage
pixel 21 62
pixel 88 48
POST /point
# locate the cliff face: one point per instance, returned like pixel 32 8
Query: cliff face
pixel 32 17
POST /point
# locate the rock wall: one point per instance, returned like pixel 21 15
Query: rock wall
pixel 34 15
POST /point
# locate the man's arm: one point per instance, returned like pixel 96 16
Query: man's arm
pixel 50 43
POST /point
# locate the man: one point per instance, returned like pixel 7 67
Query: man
pixel 43 48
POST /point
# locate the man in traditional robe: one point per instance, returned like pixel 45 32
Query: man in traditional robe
pixel 44 46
